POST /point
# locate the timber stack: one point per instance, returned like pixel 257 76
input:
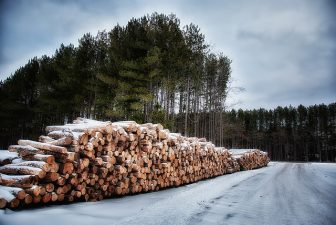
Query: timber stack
pixel 90 160
pixel 249 159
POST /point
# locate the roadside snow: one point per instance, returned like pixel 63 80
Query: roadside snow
pixel 282 193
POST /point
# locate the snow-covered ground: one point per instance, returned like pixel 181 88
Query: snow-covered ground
pixel 282 193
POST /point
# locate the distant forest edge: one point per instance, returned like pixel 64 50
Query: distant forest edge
pixel 152 70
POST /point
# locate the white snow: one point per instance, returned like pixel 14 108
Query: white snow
pixel 4 154
pixel 282 193
pixel 29 163
pixel 124 123
pixel 240 151
pixel 18 160
pixel 79 126
pixel 64 133
pixel 8 194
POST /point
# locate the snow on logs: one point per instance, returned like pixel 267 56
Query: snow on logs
pixel 92 160
pixel 249 159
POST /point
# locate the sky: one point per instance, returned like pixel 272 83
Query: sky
pixel 283 52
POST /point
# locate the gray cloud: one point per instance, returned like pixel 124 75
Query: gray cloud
pixel 283 52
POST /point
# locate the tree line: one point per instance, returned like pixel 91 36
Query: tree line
pixel 150 70
pixel 287 133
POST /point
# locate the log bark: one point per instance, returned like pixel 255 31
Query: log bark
pixel 51 177
pixel 3 202
pixel 34 190
pixel 24 150
pixel 28 199
pixel 37 164
pixel 40 157
pixel 44 146
pixel 11 169
pixel 21 181
pixel 64 141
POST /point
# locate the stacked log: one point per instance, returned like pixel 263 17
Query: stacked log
pixel 249 159
pixel 90 160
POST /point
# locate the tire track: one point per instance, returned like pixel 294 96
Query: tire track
pixel 289 194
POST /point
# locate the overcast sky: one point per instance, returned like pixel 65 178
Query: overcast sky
pixel 283 52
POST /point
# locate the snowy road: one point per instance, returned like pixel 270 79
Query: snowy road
pixel 282 193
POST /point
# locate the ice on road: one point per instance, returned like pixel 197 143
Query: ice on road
pixel 282 193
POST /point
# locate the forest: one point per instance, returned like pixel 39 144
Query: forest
pixel 154 70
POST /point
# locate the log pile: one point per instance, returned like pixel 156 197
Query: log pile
pixel 90 160
pixel 249 159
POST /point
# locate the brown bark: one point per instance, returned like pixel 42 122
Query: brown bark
pixel 44 146
pixel 22 181
pixel 40 157
pixel 24 150
pixel 22 170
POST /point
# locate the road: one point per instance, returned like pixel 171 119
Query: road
pixel 282 193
